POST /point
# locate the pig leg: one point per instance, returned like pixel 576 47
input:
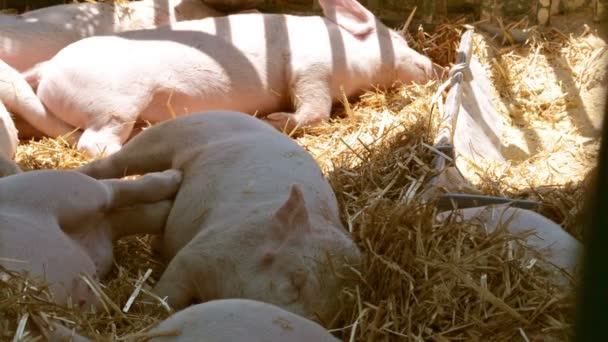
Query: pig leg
pixel 139 219
pixel 20 99
pixel 312 100
pixel 152 187
pixel 106 139
pixel 144 153
pixel 176 281
pixel 8 134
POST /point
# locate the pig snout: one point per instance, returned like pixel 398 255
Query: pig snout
pixel 419 69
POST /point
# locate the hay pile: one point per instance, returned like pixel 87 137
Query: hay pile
pixel 421 280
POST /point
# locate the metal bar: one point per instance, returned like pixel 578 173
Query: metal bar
pixel 461 201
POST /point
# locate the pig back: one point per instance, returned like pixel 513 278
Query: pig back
pixel 235 165
pixel 240 320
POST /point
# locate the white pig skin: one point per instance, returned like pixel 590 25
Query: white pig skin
pixel 239 320
pixel 226 320
pixel 56 225
pixel 254 217
pixel 8 167
pixel 36 36
pixel 8 134
pixel 549 241
pixel 264 63
pixel 16 96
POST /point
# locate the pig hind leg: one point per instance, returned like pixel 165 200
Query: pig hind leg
pixel 312 99
pixel 176 282
pixel 107 139
pixel 148 151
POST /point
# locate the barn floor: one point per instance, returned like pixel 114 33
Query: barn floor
pixel 421 281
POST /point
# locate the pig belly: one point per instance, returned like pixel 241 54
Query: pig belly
pixel 46 253
pixel 166 104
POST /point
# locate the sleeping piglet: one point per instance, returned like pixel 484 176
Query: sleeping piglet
pixel 225 320
pixel 56 225
pixel 559 252
pixel 36 36
pixel 254 216
pixel 239 320
pixel 253 63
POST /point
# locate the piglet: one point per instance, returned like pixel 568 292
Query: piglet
pixel 253 63
pixel 239 320
pixel 35 36
pixel 254 217
pixel 559 252
pixel 57 225
pixel 226 320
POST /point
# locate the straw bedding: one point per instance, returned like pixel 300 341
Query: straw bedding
pixel 421 280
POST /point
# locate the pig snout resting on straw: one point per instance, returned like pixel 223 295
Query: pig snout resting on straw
pixel 254 217
pixel 558 250
pixel 225 320
pixel 36 36
pixel 20 99
pixel 57 225
pixel 264 63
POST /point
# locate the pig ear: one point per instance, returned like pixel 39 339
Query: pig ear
pixel 350 15
pixel 292 216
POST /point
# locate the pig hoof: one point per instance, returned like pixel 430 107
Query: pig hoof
pixel 284 122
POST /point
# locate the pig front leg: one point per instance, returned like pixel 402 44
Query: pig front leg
pixel 312 99
pixel 152 187
pixel 139 219
pixel 106 139
pixel 176 283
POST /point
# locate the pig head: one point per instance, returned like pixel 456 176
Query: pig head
pixel 35 36
pixel 558 251
pixel 254 63
pixel 254 217
pixel 59 225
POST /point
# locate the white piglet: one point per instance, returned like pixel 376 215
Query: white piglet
pixel 57 225
pixel 37 35
pixel 225 320
pixel 254 217
pixel 559 252
pixel 239 320
pixel 269 64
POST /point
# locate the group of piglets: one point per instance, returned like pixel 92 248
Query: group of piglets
pixel 243 215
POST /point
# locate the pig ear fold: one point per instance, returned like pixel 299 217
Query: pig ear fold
pixel 292 217
pixel 350 15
